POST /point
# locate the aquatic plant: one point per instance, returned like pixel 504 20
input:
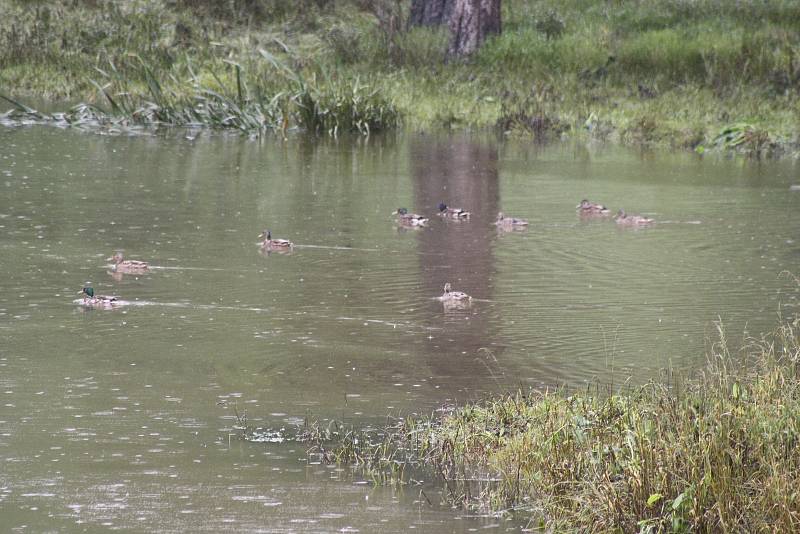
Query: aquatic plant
pixel 719 451
pixel 534 113
pixel 745 138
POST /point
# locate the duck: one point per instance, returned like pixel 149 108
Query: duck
pixel 452 213
pixel 632 220
pixel 274 244
pixel 97 301
pixel 592 208
pixel 454 297
pixel 410 219
pixel 122 265
pixel 508 222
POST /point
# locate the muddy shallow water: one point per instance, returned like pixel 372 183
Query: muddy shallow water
pixel 123 418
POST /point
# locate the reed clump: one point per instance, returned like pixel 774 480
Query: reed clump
pixel 672 73
pixel 718 452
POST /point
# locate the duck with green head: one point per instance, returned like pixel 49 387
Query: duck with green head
pixel 410 219
pixel 452 213
pixel 92 300
pixel 270 244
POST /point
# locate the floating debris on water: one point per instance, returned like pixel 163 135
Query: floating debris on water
pixel 266 436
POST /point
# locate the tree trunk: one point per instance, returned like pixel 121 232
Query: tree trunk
pixel 471 21
pixel 430 12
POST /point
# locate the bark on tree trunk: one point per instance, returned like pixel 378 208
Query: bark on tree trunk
pixel 430 12
pixel 471 21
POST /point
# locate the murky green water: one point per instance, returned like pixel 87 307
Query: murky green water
pixel 123 418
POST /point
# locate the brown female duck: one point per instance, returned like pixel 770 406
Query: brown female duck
pixel 632 220
pixel 121 265
pixel 510 222
pixel 592 208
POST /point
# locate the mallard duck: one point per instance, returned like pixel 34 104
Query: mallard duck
pixel 127 266
pixel 592 208
pixel 632 220
pixel 97 301
pixel 410 219
pixel 454 297
pixel 452 213
pixel 508 222
pixel 274 244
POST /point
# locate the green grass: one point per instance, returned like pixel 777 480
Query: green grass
pixel 674 73
pixel 717 452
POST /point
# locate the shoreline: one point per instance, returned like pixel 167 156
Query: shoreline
pixel 656 76
pixel 715 450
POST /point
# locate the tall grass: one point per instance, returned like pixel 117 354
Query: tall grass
pixel 668 72
pixel 718 452
pixel 252 107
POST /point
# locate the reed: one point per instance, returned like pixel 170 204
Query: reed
pixel 717 452
pixel 672 73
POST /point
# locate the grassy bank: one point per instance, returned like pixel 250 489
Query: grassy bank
pixel 719 452
pixel 698 74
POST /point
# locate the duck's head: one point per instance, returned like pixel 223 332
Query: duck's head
pixel 500 216
pixel 583 205
pixel 88 291
pixel 620 214
pixel 116 258
pixel 401 211
pixel 442 206
pixel 265 235
pixel 447 287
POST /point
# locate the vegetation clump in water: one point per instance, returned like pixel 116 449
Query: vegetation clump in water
pixel 718 452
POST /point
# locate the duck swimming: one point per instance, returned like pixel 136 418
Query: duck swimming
pixel 454 297
pixel 592 208
pixel 274 244
pixel 452 213
pixel 97 301
pixel 127 266
pixel 410 219
pixel 509 222
pixel 632 220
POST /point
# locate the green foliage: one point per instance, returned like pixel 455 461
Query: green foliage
pixel 717 452
pixel 551 25
pixel 745 138
pixel 662 72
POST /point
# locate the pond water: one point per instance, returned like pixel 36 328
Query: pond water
pixel 124 418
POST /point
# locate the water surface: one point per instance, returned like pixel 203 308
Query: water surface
pixel 124 418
